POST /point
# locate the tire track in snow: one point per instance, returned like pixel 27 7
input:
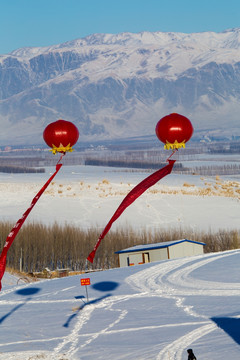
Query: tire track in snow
pixel 71 340
pixel 175 350
pixel 167 281
pixel 181 278
pixel 70 344
pixel 170 279
pixel 74 349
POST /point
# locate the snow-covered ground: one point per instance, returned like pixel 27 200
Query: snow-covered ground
pixel 88 196
pixel 152 311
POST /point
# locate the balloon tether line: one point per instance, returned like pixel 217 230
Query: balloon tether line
pixel 175 150
pixel 62 155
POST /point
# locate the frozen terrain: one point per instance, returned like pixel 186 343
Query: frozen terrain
pixel 87 196
pixel 152 311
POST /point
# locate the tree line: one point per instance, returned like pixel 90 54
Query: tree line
pixel 12 169
pixel 133 164
pixel 58 247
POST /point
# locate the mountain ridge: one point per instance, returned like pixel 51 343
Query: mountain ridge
pixel 113 86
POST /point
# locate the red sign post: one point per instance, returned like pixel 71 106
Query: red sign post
pixel 85 282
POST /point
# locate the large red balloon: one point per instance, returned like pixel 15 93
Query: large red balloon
pixel 61 135
pixel 174 130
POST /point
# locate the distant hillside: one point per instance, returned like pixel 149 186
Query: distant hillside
pixel 116 86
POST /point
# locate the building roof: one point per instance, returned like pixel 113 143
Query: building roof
pixel 155 246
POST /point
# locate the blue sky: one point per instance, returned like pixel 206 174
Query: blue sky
pixel 47 22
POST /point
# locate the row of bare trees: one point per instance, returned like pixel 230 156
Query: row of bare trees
pixel 58 247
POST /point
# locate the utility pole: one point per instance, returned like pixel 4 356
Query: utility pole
pixel 20 262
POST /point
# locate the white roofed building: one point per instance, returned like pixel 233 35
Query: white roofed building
pixel 141 254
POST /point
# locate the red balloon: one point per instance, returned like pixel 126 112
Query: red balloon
pixel 61 135
pixel 174 130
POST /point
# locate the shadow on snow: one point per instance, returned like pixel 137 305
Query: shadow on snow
pixel 23 292
pixel 82 306
pixel 230 325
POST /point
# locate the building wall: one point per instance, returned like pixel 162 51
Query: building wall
pixel 172 252
pixel 185 249
pixel 130 259
pixel 158 254
pixel 123 259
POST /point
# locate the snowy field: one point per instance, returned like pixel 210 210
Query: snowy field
pixel 88 196
pixel 152 311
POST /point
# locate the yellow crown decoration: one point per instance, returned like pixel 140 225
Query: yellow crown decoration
pixel 61 149
pixel 175 145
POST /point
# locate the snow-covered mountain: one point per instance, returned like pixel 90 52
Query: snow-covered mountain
pixel 115 86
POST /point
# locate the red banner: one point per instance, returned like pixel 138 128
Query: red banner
pixel 13 233
pixel 130 198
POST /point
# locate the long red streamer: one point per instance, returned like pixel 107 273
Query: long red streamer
pixel 13 233
pixel 130 198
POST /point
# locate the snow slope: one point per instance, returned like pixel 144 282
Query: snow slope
pixel 151 311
